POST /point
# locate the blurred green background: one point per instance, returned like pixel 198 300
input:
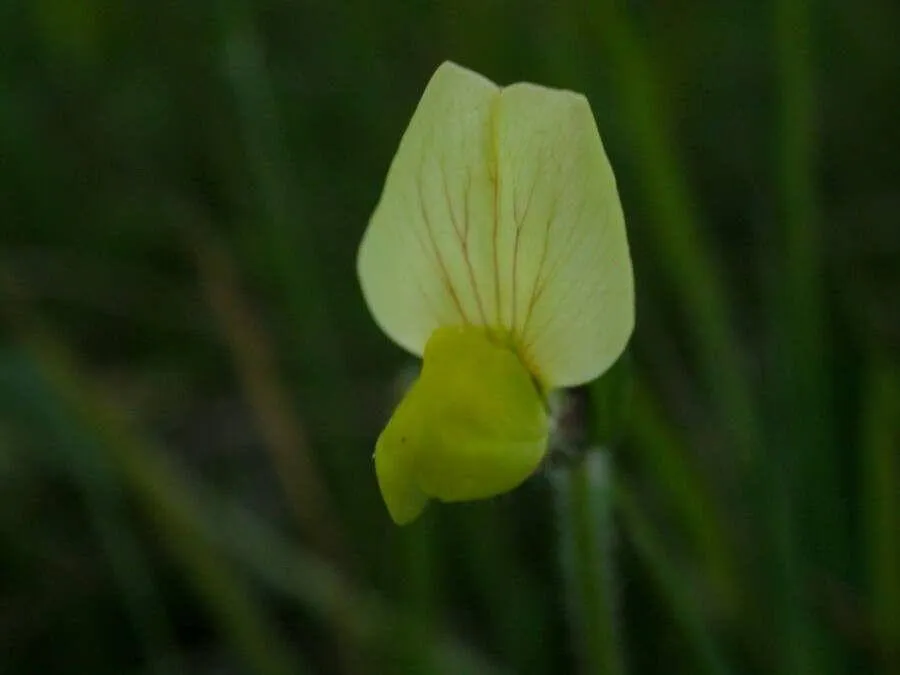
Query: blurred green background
pixel 191 384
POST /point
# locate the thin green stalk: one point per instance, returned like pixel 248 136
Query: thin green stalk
pixel 798 299
pixel 582 494
pixel 255 364
pixel 881 508
pixel 417 596
pixel 282 216
pixel 803 437
pixel 786 612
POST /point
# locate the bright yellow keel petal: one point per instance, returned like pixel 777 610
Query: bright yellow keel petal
pixel 474 425
pixel 403 498
pixel 394 461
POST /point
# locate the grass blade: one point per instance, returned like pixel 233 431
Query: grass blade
pixel 683 251
pixel 172 511
pixel 661 452
pixel 582 493
pixel 253 356
pixel 802 419
pixel 27 402
pixel 881 508
pixel 684 612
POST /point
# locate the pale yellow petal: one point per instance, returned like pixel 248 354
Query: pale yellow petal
pixel 563 252
pixel 423 261
pixel 395 461
pixel 501 210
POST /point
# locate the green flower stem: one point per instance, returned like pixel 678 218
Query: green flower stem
pixel 583 498
pixel 412 655
pixel 804 437
pixel 881 507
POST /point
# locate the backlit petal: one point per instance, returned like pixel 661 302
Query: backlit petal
pixel 562 248
pixel 473 425
pixel 422 262
pixel 500 209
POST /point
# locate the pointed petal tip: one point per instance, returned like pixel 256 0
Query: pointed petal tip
pixel 403 506
pixel 399 491
pixel 402 518
pixel 452 69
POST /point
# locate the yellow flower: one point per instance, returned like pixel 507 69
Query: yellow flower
pixel 497 253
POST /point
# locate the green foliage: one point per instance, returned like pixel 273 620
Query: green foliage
pixel 191 386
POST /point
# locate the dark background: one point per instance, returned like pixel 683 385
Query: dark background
pixel 191 384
